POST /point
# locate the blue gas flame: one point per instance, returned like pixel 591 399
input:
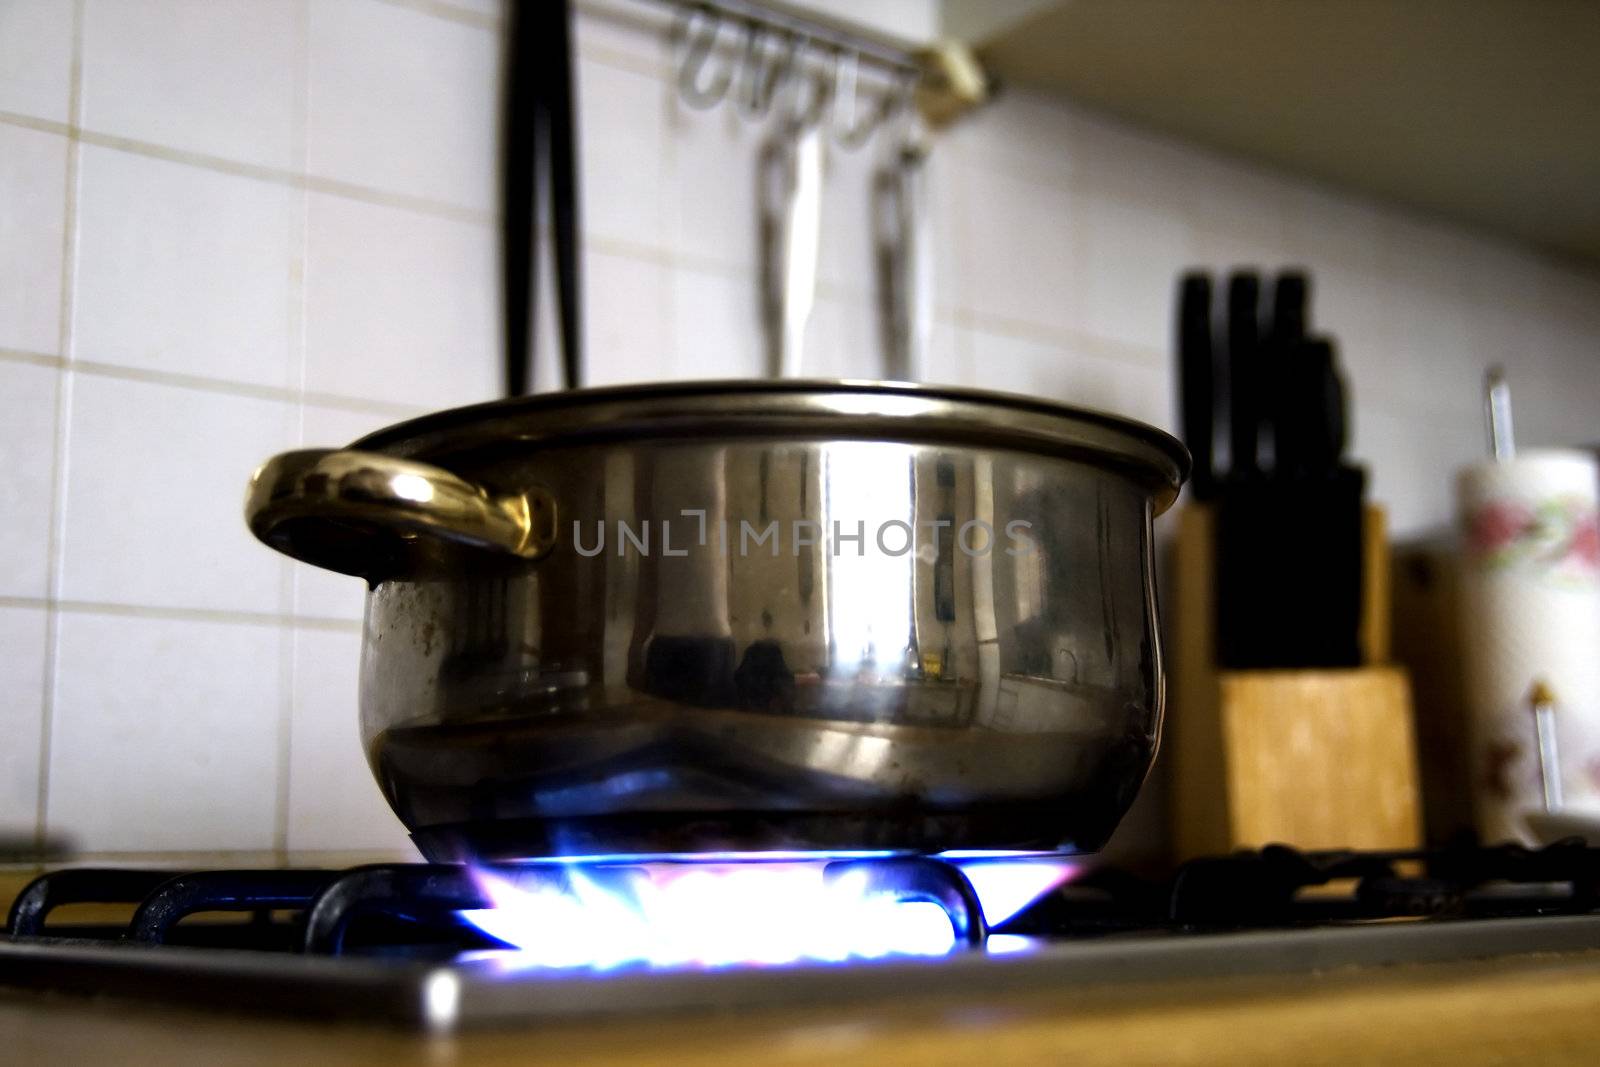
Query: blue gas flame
pixel 715 915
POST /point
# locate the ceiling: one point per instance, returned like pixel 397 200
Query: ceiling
pixel 1484 111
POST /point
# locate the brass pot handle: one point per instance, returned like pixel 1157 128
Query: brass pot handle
pixel 376 516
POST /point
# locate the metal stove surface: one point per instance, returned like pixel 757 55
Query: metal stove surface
pixel 443 997
pixel 1466 903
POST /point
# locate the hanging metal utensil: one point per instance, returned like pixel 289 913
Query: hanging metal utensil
pixel 519 191
pixel 903 242
pixel 789 195
pixel 562 111
pixel 539 152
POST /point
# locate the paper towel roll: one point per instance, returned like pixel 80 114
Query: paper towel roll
pixel 1530 613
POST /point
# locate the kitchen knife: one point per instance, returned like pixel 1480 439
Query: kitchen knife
pixel 1195 373
pixel 1309 409
pixel 1281 372
pixel 1244 373
pixel 1323 502
pixel 1289 301
pixel 1325 437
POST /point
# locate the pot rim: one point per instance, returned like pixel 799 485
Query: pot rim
pixel 840 408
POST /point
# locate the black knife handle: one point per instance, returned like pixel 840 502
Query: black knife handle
pixel 1290 298
pixel 1244 373
pixel 1285 381
pixel 1195 373
pixel 1325 407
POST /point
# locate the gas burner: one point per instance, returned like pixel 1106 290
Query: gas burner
pixel 574 914
pixel 751 914
pixel 438 945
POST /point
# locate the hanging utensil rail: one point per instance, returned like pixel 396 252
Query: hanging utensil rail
pixel 886 57
pixel 733 50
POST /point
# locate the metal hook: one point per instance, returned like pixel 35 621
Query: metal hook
pixel 901 111
pixel 769 63
pixel 699 49
pixel 856 127
pixel 808 109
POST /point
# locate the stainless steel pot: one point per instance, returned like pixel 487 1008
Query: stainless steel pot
pixel 714 617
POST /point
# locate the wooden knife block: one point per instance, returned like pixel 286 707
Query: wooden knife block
pixel 1317 759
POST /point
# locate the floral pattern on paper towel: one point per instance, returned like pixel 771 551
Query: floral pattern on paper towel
pixel 1557 536
pixel 1499 768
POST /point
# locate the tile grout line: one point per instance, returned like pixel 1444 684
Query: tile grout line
pixel 315 183
pixel 288 634
pixel 671 257
pixel 300 178
pixel 447 12
pixel 273 175
pixel 56 535
pixel 961 238
pixel 38 359
pixel 962 316
pixel 192 859
pixel 1061 180
pixel 288 643
pixel 182 614
pixel 359 405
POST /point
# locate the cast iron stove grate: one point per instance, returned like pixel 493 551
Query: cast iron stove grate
pixel 393 909
pixel 1279 888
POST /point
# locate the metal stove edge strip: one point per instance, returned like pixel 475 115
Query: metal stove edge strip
pixel 249 981
pixel 501 999
pixel 443 997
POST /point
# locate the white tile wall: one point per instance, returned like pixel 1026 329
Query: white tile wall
pixel 845 260
pixel 35 57
pixel 833 346
pixel 22 636
pixel 1128 249
pixel 164 733
pixel 154 483
pixel 402 101
pixel 333 803
pixel 27 451
pixel 625 191
pixel 626 317
pixel 215 77
pixel 183 269
pixel 715 317
pixel 33 173
pixel 1014 250
pixel 712 198
pixel 278 230
pixel 399 307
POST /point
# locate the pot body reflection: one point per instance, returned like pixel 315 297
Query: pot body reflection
pixel 748 644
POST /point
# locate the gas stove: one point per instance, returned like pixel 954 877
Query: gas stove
pixel 439 946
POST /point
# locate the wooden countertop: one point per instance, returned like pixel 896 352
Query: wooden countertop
pixel 1528 1009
